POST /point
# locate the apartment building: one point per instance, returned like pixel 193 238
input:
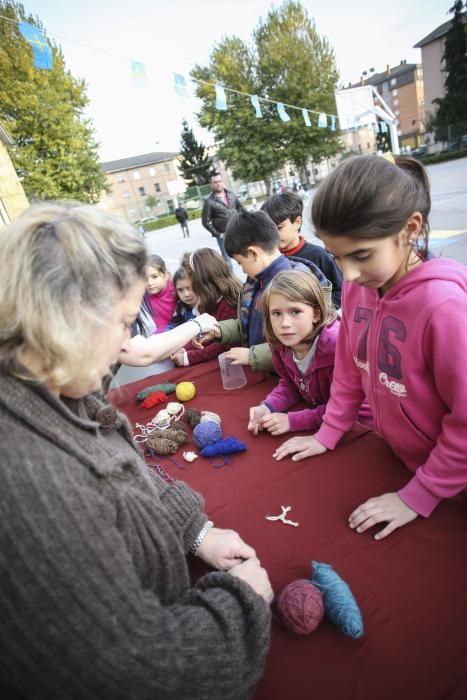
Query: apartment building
pixel 401 87
pixel 142 186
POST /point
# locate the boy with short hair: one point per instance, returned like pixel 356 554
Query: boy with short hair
pixel 252 240
pixel 286 211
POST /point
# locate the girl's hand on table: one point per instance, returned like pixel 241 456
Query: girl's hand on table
pixel 388 508
pixel 303 447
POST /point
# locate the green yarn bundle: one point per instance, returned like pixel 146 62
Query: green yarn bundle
pixel 166 388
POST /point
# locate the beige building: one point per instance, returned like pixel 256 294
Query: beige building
pixel 401 88
pixel 432 48
pixel 137 181
pixel 12 198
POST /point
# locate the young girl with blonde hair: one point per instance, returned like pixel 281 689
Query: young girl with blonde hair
pixel 301 329
pixel 403 339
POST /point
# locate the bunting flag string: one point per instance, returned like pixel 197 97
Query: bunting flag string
pixel 138 73
pixel 255 102
pixel 221 97
pixel 282 113
pixel 306 117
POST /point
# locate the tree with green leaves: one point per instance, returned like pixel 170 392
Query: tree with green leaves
pixel 287 61
pixel 195 163
pixel 54 153
pixel 450 120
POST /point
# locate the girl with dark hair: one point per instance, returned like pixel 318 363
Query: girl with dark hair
pixel 186 298
pixel 402 341
pixel 217 290
pixel 160 298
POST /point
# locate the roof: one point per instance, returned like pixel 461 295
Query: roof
pixel 397 71
pixel 113 166
pixel 5 137
pixel 438 32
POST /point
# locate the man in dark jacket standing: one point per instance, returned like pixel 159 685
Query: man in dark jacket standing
pixel 181 215
pixel 217 210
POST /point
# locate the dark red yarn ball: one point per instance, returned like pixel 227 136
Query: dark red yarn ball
pixel 300 607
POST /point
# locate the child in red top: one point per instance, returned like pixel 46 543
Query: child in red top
pixel 218 291
pixel 160 297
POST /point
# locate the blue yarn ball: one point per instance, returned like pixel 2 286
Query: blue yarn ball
pixel 339 604
pixel 227 446
pixel 207 433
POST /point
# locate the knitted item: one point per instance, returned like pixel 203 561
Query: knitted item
pixel 154 399
pixel 166 388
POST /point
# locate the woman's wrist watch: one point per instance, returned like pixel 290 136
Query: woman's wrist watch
pixel 201 535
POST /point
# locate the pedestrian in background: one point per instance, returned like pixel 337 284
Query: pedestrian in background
pixel 217 210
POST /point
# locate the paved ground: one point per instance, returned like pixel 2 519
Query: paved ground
pixel 448 221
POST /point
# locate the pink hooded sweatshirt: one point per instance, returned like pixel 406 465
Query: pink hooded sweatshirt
pixel 407 353
pixel 314 386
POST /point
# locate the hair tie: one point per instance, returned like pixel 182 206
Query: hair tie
pixel 388 156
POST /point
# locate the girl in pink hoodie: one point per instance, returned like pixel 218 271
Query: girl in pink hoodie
pixel 160 297
pixel 403 336
pixel 301 329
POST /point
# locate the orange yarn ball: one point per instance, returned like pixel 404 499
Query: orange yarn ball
pixel 300 607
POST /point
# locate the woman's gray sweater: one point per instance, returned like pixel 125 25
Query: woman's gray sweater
pixel 95 595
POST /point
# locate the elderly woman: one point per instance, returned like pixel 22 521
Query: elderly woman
pixel 96 600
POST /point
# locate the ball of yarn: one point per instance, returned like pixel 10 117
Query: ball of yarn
pixel 162 419
pixel 161 445
pixel 210 416
pixel 339 604
pixel 225 446
pixel 166 388
pixel 300 607
pixel 177 425
pixel 185 391
pixel 178 436
pixel 192 416
pixel 206 433
pixel 174 407
pixel 153 399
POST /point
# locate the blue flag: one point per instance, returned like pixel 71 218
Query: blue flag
pixel 255 102
pixel 221 98
pixel 282 113
pixel 384 127
pixel 322 120
pixel 40 48
pixel 333 122
pixel 180 85
pixel 306 117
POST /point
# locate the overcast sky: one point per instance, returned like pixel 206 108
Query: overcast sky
pixel 173 35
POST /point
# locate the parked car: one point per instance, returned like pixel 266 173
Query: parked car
pixel 420 151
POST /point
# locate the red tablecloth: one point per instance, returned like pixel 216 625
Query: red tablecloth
pixel 411 587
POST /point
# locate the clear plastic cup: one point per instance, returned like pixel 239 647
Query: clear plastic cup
pixel 233 376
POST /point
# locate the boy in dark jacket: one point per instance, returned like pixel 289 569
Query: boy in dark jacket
pixel 252 240
pixel 286 210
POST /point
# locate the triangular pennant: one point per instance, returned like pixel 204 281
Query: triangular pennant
pixel 255 102
pixel 40 48
pixel 306 117
pixel 138 73
pixel 322 120
pixel 282 113
pixel 180 85
pixel 221 98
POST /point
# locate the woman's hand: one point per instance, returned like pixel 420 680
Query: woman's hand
pixel 208 337
pixel 303 446
pixel 253 573
pixel 389 508
pixel 206 322
pixel 238 356
pixel 223 549
pixel 256 413
pixel 276 423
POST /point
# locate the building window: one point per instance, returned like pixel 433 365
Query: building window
pixel 393 81
pixel 396 102
pixel 142 191
pixel 126 195
pixel 157 187
pixel 395 93
pixel 152 172
pixel 131 212
pixel 136 175
pixel 120 178
pixel 396 112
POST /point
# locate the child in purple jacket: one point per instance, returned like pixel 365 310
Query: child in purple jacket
pixel 301 329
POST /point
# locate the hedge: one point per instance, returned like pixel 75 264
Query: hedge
pixel 444 155
pixel 169 220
